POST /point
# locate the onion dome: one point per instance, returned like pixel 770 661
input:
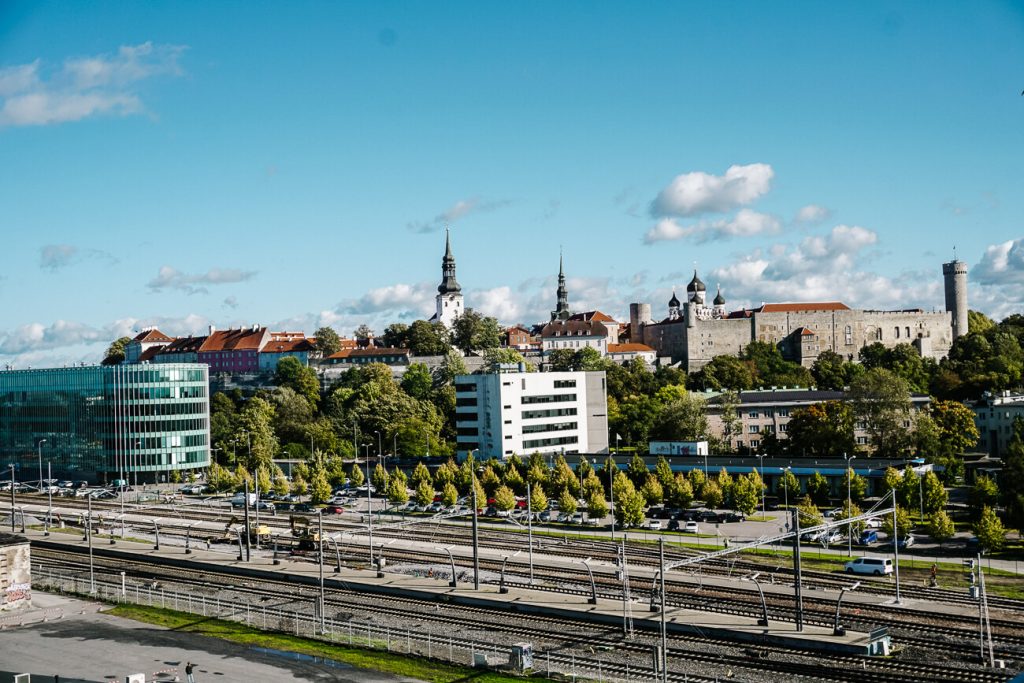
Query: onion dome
pixel 673 302
pixel 695 284
pixel 719 299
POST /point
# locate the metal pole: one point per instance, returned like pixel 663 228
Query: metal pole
pixel 248 547
pixel 529 526
pixel 92 572
pixel 369 508
pixel 611 495
pixel 895 546
pixel 39 448
pixel 664 628
pixel 12 499
pixel 49 501
pixel 476 538
pixel 920 495
pixel 849 504
pixel 320 553
pixel 797 572
pixel 256 482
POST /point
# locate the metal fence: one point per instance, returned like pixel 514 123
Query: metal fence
pixel 420 642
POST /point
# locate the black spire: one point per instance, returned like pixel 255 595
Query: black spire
pixel 719 299
pixel 673 302
pixel 695 284
pixel 561 311
pixel 449 285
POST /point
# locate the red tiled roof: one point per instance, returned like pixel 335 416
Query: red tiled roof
pixel 369 353
pixel 245 339
pixel 183 345
pixel 804 332
pixel 152 335
pixel 803 307
pixel 596 316
pixel 629 348
pixel 287 346
pixel 150 353
pixel 574 328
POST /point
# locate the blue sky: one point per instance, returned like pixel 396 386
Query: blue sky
pixel 293 164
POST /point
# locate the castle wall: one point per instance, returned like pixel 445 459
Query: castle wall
pixel 710 338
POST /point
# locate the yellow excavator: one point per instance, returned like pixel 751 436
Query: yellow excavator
pixel 257 533
pixel 306 537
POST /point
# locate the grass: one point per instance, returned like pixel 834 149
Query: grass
pixel 411 666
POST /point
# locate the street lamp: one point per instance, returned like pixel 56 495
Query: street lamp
pixel 476 527
pixel 39 448
pixel 849 503
pixel 761 457
pixel 380 450
pixel 12 498
pixel 838 630
pixel 763 621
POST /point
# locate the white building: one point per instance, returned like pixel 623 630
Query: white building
pixel 516 412
pixel 994 416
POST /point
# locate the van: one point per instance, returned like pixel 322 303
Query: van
pixel 869 565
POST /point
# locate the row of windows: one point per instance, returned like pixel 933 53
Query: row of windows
pixel 551 427
pixel 768 412
pixel 549 398
pixel 164 392
pixel 179 425
pixel 554 441
pixel 465 401
pixel 565 384
pixel 551 412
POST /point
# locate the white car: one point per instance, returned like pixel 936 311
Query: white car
pixel 869 565
pixel 654 525
pixel 873 523
pixel 690 528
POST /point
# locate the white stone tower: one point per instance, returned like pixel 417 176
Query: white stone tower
pixel 449 292
pixel 955 275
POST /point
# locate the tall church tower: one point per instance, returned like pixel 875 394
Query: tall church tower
pixel 955 275
pixel 449 292
pixel 561 311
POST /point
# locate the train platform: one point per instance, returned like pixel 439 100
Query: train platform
pixel 712 624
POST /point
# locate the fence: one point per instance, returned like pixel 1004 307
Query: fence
pixel 443 647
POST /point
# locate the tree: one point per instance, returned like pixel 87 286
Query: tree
pixel 652 490
pixel 732 425
pixel 301 379
pixel 940 527
pixel 881 399
pixel 681 493
pixel 663 471
pixel 445 474
pixel 327 343
pixel 903 523
pixel 724 372
pixel 263 479
pixel 397 491
pixel 363 333
pixel 857 485
pixel 538 500
pixel 425 494
pixel 772 369
pixel 496 357
pixel 504 499
pixel 726 485
pixel 848 511
pixel 256 430
pixel 979 322
pixel 396 336
pixel 597 508
pixel 818 488
pixel 629 507
pixel 683 419
pixel 428 339
pixel 449 494
pixel 1012 477
pixel 984 494
pixel 420 474
pixel 380 478
pixel 908 488
pixel 567 503
pixel 822 429
pixel 934 493
pixel 788 485
pixel 299 485
pixel 472 331
pixel 832 371
pixel 809 513
pixel 990 530
pixel 514 480
pixel 116 351
pixel 712 494
pixel 356 476
pixel 219 478
pixel 319 488
pixel 746 494
pixel 417 381
pixel 891 479
pixel 637 470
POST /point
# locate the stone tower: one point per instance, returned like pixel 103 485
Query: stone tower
pixel 955 275
pixel 449 292
pixel 561 311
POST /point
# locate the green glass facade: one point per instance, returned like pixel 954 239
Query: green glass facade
pixel 99 421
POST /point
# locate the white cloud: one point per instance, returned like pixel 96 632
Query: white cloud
pixel 499 302
pixel 171 278
pixel 457 212
pixel 1002 263
pixel 697 192
pixel 53 257
pixel 402 299
pixel 745 223
pixel 83 86
pixel 812 214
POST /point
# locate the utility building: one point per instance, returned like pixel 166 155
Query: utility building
pixel 517 412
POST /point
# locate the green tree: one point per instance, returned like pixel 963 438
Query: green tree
pixel 990 530
pixel 681 495
pixel 380 478
pixel 396 336
pixel 355 475
pixel 327 342
pixel 420 474
pixel 809 513
pixel 299 485
pixel 1012 477
pixel 567 502
pixel 663 471
pixel 255 427
pixel 831 371
pixel 243 477
pixel 891 479
pixel 771 369
pixel 683 419
pixel 445 474
pixel 397 491
pixel 788 485
pixel 417 381
pixel 857 485
pixel 281 484
pixel 712 494
pixel 848 511
pixel 746 494
pixel 637 470
pixel 116 351
pixel 881 399
pixel 629 507
pixel 263 479
pixel 979 322
pixel 955 422
pixel 724 372
pixel 984 494
pixel 496 357
pixel 652 490
pixel 220 478
pixel 818 488
pixel 319 488
pixel 425 493
pixel 934 493
pixel 428 339
pixel 538 500
pixel 223 415
pixel 726 485
pixel 732 425
pixel 940 527
pixel 697 479
pixel 822 429
pixel 514 480
pixel 301 379
pixel 903 523
pixel 597 507
pixel 908 488
pixel 449 494
pixel 504 499
pixel 475 332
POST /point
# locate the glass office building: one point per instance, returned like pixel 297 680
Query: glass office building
pixel 101 421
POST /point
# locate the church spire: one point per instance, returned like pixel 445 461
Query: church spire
pixel 449 285
pixel 561 311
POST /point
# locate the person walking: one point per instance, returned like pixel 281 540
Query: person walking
pixel 189 667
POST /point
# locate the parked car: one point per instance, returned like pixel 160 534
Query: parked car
pixel 545 516
pixel 577 518
pixel 735 516
pixel 654 524
pixel 867 537
pixel 265 505
pixel 906 542
pixel 690 528
pixel 331 509
pixel 873 523
pixel 708 516
pixel 869 565
pixel 66 484
pixel 834 536
pixel 673 525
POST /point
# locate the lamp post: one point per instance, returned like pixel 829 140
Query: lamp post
pixel 529 526
pixel 476 528
pixel 611 493
pixel 39 449
pixel 849 503
pixel 763 621
pixel 369 504
pixel 12 498
pixel 320 562
pixel 380 450
pixel 49 502
pixel 838 630
pixel 92 572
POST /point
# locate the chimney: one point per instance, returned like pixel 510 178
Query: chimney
pixel 212 329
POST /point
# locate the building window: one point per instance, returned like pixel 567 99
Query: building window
pixel 897 331
pixel 752 414
pixel 754 429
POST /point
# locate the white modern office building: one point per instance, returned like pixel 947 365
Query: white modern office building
pixel 515 412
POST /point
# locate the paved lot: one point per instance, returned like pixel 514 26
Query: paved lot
pixel 95 647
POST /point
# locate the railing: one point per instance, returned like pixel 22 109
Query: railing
pixel 424 642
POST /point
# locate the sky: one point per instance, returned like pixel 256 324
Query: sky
pixel 295 164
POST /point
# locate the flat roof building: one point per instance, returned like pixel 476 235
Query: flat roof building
pixel 515 412
pixel 96 422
